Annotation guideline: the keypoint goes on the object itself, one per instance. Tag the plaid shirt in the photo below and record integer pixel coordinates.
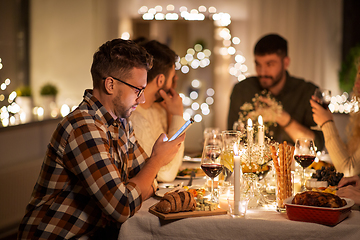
(84, 176)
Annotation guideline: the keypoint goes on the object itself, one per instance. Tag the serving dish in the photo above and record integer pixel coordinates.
(321, 215)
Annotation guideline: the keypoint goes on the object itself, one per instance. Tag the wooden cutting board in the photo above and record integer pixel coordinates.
(180, 215)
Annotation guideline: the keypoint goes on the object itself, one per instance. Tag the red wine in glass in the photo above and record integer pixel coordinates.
(212, 169)
(304, 160)
(325, 104)
(323, 97)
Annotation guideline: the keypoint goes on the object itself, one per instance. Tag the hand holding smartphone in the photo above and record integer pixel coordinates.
(182, 129)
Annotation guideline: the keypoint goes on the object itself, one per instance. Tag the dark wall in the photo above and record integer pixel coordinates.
(14, 42)
(351, 25)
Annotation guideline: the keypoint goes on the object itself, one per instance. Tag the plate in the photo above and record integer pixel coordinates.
(186, 173)
(321, 215)
(161, 192)
(191, 159)
(180, 215)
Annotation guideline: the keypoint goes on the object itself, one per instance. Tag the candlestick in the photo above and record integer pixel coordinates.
(261, 134)
(236, 181)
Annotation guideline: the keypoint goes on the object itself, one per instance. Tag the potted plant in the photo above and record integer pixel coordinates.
(48, 94)
(25, 102)
(347, 74)
(48, 90)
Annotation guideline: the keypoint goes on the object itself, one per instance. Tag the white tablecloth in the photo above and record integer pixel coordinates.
(257, 224)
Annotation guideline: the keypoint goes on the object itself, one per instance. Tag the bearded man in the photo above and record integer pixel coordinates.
(294, 120)
(162, 112)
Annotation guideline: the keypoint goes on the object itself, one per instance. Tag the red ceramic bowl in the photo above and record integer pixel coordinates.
(322, 215)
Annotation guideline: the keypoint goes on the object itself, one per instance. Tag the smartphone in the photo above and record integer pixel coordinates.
(182, 129)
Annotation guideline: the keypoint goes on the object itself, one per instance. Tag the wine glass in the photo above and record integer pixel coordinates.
(323, 97)
(212, 136)
(211, 164)
(304, 154)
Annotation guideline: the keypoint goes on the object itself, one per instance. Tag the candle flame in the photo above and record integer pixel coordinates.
(249, 122)
(260, 120)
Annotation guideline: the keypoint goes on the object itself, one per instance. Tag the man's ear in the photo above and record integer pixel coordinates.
(160, 80)
(109, 85)
(286, 62)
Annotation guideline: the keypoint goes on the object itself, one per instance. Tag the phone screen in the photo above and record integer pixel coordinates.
(182, 129)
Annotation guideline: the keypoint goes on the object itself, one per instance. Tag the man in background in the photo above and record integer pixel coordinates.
(162, 112)
(294, 119)
(95, 175)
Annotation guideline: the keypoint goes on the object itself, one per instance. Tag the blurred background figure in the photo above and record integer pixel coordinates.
(345, 156)
(281, 99)
(162, 111)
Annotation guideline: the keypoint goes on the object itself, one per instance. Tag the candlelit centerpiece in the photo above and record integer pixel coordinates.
(252, 110)
(257, 153)
(251, 158)
(256, 162)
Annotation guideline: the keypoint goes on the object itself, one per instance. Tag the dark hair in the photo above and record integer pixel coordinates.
(270, 44)
(164, 57)
(116, 58)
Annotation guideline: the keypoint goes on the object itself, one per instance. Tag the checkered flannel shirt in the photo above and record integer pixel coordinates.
(84, 177)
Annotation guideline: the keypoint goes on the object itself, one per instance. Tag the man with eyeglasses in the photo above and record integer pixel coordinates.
(95, 174)
(163, 110)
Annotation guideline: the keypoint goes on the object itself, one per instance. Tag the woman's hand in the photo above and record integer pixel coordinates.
(354, 180)
(320, 114)
(349, 192)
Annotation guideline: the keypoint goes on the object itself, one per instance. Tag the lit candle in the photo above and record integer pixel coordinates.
(250, 132)
(261, 135)
(237, 172)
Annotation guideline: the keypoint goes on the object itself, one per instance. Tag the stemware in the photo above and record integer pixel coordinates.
(229, 139)
(211, 164)
(323, 97)
(212, 136)
(304, 154)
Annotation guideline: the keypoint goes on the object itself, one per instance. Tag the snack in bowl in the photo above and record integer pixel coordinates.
(176, 201)
(328, 174)
(318, 199)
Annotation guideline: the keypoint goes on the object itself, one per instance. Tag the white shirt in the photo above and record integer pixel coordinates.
(148, 124)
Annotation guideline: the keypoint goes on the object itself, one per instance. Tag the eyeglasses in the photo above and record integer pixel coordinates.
(140, 90)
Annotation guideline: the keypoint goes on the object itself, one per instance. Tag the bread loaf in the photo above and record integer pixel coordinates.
(178, 201)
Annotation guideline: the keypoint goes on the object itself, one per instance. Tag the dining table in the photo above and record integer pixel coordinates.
(258, 223)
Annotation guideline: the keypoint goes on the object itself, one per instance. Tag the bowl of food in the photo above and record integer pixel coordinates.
(323, 208)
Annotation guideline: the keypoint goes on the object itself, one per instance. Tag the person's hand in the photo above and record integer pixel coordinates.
(172, 102)
(349, 192)
(164, 151)
(320, 114)
(355, 181)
